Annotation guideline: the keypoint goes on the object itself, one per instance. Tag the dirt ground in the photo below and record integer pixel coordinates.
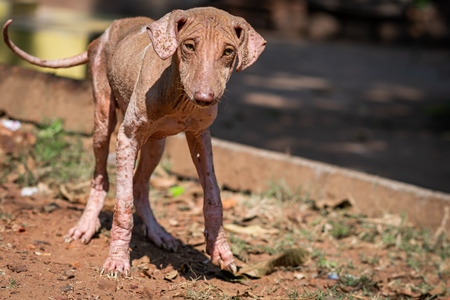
(324, 250)
(37, 264)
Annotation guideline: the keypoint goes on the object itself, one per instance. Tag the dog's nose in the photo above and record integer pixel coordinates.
(204, 98)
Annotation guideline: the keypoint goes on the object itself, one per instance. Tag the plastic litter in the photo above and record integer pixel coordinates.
(28, 191)
(12, 125)
(333, 276)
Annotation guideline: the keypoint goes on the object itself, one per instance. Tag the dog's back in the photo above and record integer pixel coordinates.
(121, 49)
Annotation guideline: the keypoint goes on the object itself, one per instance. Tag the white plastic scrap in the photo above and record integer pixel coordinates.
(12, 125)
(28, 191)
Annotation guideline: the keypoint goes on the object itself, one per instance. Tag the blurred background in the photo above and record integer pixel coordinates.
(362, 84)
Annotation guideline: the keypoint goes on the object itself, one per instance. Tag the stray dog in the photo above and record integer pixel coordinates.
(166, 76)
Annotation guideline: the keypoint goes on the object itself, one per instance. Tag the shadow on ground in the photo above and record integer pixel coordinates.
(191, 263)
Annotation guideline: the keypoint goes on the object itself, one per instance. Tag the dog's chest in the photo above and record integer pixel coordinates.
(173, 124)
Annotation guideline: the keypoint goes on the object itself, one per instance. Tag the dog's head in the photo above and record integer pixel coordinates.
(205, 43)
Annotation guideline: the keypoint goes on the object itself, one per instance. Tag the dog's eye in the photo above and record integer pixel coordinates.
(228, 51)
(189, 47)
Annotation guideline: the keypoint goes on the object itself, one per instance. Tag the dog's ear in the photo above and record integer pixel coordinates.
(164, 33)
(251, 43)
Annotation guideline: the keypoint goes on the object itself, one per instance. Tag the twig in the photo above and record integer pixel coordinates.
(441, 228)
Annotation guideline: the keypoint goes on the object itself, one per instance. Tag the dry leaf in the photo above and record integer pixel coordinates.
(173, 222)
(229, 203)
(299, 275)
(141, 263)
(44, 189)
(251, 214)
(171, 275)
(69, 194)
(253, 230)
(163, 183)
(289, 258)
(332, 203)
(439, 289)
(387, 219)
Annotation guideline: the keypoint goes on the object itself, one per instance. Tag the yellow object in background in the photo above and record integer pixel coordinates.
(49, 33)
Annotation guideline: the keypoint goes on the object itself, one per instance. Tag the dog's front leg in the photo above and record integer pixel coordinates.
(216, 242)
(118, 260)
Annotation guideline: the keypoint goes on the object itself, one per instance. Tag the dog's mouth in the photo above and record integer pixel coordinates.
(203, 103)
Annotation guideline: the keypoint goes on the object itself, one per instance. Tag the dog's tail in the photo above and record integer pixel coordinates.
(76, 60)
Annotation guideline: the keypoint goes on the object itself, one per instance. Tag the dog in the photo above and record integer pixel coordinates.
(166, 76)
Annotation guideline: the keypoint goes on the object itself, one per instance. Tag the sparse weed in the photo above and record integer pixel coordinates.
(307, 234)
(370, 260)
(7, 216)
(12, 283)
(209, 292)
(414, 262)
(289, 241)
(56, 157)
(293, 294)
(340, 230)
(266, 249)
(389, 237)
(18, 163)
(238, 245)
(50, 142)
(328, 293)
(350, 265)
(322, 262)
(359, 283)
(62, 153)
(281, 192)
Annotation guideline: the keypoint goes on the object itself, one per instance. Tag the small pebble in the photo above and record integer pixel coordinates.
(66, 288)
(333, 276)
(50, 207)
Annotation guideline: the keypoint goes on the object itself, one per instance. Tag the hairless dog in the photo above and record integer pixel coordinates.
(166, 76)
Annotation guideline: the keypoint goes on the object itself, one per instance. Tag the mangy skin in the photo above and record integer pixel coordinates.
(166, 77)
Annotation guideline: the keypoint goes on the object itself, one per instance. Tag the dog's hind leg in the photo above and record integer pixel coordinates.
(104, 123)
(150, 156)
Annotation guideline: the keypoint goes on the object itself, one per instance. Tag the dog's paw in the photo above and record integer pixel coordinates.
(160, 237)
(116, 264)
(217, 247)
(84, 230)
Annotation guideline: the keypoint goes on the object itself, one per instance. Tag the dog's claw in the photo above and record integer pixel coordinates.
(217, 247)
(112, 275)
(68, 239)
(230, 268)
